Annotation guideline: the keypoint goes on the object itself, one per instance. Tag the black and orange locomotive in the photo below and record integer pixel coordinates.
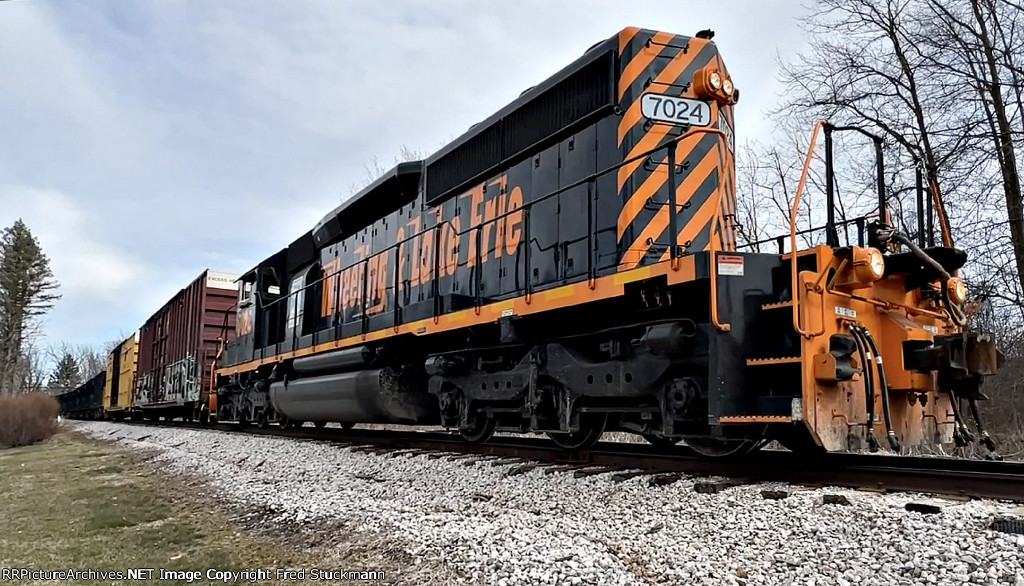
(569, 266)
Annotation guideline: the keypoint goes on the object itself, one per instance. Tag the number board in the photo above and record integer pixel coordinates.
(673, 110)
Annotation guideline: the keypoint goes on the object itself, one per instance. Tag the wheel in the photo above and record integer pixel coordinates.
(480, 431)
(346, 426)
(592, 426)
(263, 421)
(660, 440)
(284, 422)
(319, 424)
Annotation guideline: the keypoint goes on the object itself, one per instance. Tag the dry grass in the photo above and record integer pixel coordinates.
(27, 419)
(78, 503)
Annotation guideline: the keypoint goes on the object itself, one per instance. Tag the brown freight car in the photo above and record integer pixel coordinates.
(179, 343)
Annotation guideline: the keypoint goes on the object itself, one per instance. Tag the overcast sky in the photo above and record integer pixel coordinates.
(143, 142)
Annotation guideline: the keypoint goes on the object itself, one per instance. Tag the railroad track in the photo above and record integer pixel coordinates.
(876, 472)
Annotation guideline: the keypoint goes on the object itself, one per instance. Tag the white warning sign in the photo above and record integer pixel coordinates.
(730, 265)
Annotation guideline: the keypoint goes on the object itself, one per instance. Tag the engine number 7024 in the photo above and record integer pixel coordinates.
(673, 110)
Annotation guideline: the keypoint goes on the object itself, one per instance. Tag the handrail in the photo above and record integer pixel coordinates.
(525, 209)
(858, 220)
(716, 224)
(792, 234)
(588, 179)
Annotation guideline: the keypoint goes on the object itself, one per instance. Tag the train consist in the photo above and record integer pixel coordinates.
(165, 368)
(569, 266)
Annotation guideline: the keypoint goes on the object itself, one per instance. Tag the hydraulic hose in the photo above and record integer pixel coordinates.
(954, 311)
(886, 413)
(961, 435)
(869, 387)
(984, 437)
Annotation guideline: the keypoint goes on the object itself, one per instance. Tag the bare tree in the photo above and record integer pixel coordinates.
(376, 168)
(864, 68)
(973, 42)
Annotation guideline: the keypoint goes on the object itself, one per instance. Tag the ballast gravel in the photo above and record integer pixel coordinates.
(552, 528)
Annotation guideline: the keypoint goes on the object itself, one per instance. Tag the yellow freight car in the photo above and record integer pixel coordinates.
(119, 391)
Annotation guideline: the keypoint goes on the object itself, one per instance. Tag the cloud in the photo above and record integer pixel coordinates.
(145, 142)
(93, 275)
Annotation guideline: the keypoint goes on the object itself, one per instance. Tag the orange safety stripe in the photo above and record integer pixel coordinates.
(629, 119)
(641, 61)
(669, 74)
(653, 184)
(656, 227)
(696, 224)
(625, 36)
(566, 296)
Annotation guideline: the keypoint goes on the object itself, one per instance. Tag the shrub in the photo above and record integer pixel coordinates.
(27, 419)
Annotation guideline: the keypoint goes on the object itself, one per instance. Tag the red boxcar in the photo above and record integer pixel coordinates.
(179, 344)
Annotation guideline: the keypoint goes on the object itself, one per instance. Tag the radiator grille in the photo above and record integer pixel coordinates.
(556, 110)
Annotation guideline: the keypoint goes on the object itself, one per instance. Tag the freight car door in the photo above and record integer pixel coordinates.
(115, 373)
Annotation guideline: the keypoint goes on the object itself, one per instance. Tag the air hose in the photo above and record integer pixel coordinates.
(954, 312)
(894, 443)
(869, 387)
(985, 439)
(961, 435)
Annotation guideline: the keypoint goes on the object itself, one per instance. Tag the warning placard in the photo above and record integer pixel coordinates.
(730, 265)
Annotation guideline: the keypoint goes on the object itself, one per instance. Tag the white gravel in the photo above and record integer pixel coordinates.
(540, 528)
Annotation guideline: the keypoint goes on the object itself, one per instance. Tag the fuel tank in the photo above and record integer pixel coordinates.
(379, 395)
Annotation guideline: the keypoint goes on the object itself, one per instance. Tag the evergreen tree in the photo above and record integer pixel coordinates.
(27, 291)
(67, 375)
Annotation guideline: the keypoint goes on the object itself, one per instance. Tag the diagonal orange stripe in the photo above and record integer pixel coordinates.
(641, 61)
(699, 221)
(625, 36)
(656, 227)
(629, 120)
(659, 177)
(650, 140)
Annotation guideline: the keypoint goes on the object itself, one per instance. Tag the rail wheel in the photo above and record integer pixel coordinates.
(592, 426)
(319, 424)
(346, 425)
(480, 431)
(263, 421)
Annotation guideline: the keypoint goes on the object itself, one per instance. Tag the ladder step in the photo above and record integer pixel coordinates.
(769, 361)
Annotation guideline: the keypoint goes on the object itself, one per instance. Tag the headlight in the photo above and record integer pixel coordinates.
(868, 265)
(715, 80)
(957, 290)
(876, 262)
(727, 87)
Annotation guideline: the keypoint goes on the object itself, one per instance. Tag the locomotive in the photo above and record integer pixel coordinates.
(569, 266)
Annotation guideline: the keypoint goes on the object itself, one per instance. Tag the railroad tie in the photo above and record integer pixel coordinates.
(520, 469)
(716, 486)
(583, 473)
(664, 479)
(627, 474)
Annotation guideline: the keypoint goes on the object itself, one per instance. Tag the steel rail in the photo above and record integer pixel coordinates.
(945, 476)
